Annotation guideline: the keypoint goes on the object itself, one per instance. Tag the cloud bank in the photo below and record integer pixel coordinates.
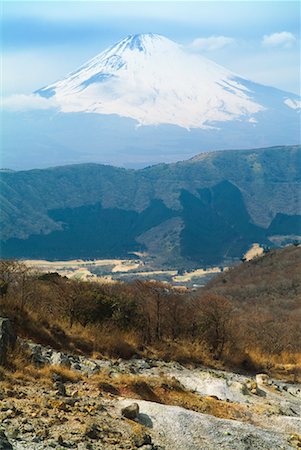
(22, 102)
(284, 39)
(211, 43)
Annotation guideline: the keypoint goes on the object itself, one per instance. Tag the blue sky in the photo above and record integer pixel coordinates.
(43, 41)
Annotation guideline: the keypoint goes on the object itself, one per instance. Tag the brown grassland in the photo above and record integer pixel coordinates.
(247, 318)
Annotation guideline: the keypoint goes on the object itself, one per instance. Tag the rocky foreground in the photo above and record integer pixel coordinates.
(68, 401)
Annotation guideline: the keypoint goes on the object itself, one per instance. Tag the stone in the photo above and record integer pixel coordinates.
(4, 442)
(140, 440)
(133, 369)
(37, 357)
(60, 388)
(244, 389)
(57, 378)
(59, 359)
(92, 431)
(10, 393)
(252, 386)
(74, 394)
(262, 378)
(28, 428)
(8, 338)
(14, 433)
(90, 366)
(131, 411)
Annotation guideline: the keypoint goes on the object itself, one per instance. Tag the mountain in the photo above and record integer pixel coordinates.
(166, 103)
(206, 210)
(153, 80)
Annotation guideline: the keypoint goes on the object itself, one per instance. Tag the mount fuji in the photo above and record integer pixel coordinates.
(147, 100)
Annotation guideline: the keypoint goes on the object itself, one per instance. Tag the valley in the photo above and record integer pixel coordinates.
(204, 212)
(110, 271)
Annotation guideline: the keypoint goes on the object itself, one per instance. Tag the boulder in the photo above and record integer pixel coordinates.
(4, 442)
(131, 411)
(59, 359)
(60, 388)
(8, 338)
(262, 378)
(252, 386)
(92, 431)
(38, 358)
(142, 439)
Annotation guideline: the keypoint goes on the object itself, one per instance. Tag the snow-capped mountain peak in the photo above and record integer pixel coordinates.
(146, 42)
(151, 79)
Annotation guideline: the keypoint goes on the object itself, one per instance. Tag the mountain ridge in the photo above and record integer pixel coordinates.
(263, 183)
(195, 158)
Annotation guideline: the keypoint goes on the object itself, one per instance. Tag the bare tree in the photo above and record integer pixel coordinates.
(215, 320)
(15, 277)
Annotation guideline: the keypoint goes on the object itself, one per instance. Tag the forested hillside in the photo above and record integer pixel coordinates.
(208, 209)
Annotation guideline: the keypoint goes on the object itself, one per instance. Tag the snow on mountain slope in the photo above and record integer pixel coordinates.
(153, 80)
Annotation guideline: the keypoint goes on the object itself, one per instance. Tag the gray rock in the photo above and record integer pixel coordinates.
(262, 378)
(8, 338)
(4, 442)
(28, 428)
(60, 388)
(131, 411)
(293, 391)
(59, 359)
(142, 440)
(38, 358)
(13, 432)
(144, 365)
(92, 431)
(252, 386)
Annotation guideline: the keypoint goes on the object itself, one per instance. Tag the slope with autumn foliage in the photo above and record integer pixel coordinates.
(247, 317)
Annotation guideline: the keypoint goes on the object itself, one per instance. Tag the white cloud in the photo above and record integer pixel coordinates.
(283, 39)
(211, 43)
(293, 103)
(21, 102)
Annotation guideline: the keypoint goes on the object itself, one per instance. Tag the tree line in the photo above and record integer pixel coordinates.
(148, 315)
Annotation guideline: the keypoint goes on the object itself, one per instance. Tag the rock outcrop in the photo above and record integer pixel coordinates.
(230, 411)
(7, 338)
(4, 442)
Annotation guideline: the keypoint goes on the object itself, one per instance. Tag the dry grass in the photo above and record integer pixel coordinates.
(20, 367)
(285, 365)
(168, 391)
(264, 293)
(109, 341)
(67, 375)
(184, 351)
